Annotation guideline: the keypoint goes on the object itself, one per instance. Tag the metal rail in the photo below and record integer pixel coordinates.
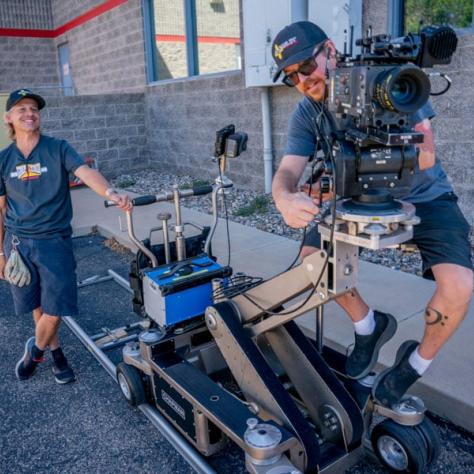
(190, 455)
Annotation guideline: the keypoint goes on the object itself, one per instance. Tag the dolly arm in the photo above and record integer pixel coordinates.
(282, 288)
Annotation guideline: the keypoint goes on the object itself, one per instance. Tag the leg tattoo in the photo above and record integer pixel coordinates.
(433, 316)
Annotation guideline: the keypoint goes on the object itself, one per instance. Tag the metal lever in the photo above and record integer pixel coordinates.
(164, 217)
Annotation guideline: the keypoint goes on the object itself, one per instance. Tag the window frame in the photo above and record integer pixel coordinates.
(191, 44)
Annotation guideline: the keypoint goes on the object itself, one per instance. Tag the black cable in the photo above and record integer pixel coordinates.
(314, 162)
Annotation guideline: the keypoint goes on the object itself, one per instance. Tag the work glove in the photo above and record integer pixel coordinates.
(16, 272)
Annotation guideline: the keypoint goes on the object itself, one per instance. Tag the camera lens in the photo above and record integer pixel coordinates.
(402, 89)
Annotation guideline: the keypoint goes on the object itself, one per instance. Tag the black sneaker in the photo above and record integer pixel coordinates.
(26, 366)
(391, 384)
(366, 349)
(61, 370)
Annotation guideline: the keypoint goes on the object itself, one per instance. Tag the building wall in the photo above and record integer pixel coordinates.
(66, 10)
(109, 128)
(27, 62)
(182, 116)
(28, 14)
(107, 52)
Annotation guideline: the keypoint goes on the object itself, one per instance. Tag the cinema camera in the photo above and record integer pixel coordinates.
(373, 97)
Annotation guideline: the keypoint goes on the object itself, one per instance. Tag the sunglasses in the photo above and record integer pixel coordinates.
(306, 69)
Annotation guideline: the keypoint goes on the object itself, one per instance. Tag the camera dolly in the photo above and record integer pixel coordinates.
(220, 357)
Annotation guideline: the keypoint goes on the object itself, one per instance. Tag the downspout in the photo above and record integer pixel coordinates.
(267, 139)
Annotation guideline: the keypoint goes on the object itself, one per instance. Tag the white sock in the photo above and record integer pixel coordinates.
(419, 363)
(365, 326)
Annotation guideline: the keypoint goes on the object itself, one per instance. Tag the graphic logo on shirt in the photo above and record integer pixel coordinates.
(29, 171)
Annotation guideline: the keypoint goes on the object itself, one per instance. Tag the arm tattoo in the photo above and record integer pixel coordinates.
(433, 316)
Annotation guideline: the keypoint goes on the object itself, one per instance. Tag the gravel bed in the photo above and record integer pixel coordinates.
(256, 210)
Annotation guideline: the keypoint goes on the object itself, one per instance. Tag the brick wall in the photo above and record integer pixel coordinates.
(108, 128)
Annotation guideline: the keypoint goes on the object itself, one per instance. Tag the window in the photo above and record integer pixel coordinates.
(191, 37)
(456, 13)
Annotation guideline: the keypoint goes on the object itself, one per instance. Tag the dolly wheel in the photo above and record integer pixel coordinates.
(131, 384)
(400, 448)
(431, 438)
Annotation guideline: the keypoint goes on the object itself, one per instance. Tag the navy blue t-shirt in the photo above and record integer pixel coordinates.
(303, 132)
(37, 188)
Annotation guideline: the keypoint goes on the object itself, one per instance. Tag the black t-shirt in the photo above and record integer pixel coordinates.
(37, 188)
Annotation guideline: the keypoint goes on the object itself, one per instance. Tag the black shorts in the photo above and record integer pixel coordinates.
(53, 284)
(442, 236)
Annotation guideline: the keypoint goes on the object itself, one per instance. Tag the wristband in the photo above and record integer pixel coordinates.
(110, 191)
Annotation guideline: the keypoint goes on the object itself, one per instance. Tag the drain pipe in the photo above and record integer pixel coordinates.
(267, 139)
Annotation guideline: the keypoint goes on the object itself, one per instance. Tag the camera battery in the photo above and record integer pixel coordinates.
(181, 290)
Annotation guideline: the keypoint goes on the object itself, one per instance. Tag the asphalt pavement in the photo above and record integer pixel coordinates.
(87, 426)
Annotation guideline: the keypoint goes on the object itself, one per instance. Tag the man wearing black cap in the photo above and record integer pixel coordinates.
(303, 54)
(35, 228)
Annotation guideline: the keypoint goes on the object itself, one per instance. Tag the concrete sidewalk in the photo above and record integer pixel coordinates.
(448, 386)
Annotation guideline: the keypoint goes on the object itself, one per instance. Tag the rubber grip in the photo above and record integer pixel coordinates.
(200, 190)
(144, 200)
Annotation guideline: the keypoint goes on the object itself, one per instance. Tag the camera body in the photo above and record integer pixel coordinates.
(374, 96)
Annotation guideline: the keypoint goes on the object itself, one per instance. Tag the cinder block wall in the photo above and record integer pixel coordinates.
(27, 61)
(182, 117)
(107, 52)
(108, 128)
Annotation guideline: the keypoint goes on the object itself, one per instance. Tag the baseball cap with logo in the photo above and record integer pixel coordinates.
(21, 94)
(295, 43)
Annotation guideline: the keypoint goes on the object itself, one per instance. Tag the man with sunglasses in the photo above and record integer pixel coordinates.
(303, 54)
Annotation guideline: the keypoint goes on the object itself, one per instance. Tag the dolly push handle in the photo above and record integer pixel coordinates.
(166, 196)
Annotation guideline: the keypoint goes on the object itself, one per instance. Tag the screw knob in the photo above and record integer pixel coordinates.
(164, 216)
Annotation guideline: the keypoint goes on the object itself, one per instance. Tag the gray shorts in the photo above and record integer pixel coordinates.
(53, 284)
(442, 236)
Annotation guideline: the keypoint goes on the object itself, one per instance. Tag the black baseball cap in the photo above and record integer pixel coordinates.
(21, 94)
(295, 43)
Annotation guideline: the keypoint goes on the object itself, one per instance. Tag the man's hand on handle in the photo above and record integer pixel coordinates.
(298, 209)
(122, 201)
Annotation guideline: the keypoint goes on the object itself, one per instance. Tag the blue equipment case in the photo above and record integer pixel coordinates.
(181, 290)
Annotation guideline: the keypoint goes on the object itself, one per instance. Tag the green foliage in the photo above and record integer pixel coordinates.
(259, 205)
(456, 13)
